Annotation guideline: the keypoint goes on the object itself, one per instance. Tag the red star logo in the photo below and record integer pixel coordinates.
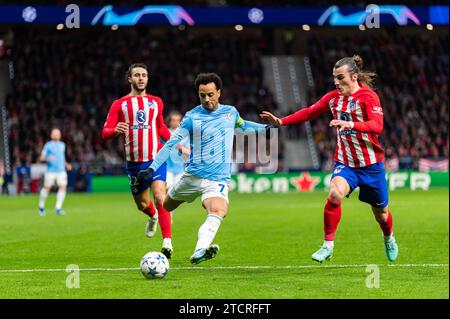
(305, 183)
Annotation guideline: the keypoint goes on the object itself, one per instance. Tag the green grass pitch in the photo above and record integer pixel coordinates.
(266, 245)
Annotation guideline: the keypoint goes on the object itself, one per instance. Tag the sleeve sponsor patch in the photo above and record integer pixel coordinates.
(377, 109)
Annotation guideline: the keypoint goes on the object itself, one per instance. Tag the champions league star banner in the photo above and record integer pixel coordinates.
(73, 16)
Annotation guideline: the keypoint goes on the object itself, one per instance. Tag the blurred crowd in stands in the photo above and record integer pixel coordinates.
(59, 82)
(71, 84)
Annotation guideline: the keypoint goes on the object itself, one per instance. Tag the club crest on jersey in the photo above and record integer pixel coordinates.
(140, 116)
(352, 105)
(151, 105)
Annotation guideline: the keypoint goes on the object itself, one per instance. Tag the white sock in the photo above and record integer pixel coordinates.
(167, 242)
(329, 244)
(207, 231)
(42, 198)
(60, 198)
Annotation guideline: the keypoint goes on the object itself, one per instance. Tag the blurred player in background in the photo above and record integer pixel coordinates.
(177, 158)
(358, 118)
(210, 127)
(53, 154)
(138, 116)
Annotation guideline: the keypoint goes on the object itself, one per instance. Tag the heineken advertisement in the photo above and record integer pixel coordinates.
(310, 181)
(300, 182)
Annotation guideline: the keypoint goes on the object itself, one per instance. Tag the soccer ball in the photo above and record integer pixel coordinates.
(154, 265)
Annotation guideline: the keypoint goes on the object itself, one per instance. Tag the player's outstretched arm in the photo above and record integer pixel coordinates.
(249, 126)
(163, 155)
(270, 119)
(303, 115)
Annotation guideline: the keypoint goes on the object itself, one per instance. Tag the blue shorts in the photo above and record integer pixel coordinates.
(370, 179)
(133, 169)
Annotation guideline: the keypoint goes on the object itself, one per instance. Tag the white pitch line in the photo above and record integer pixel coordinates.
(227, 267)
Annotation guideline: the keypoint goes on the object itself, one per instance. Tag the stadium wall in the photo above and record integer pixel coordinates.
(291, 182)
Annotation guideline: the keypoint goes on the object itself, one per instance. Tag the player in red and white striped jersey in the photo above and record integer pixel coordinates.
(357, 146)
(358, 118)
(143, 118)
(138, 116)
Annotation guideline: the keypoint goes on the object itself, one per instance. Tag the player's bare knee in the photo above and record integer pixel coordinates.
(218, 212)
(142, 205)
(336, 194)
(380, 218)
(381, 214)
(159, 199)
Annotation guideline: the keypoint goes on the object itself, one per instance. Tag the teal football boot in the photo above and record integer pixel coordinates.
(391, 248)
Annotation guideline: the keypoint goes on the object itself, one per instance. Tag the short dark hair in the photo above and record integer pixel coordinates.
(135, 65)
(205, 78)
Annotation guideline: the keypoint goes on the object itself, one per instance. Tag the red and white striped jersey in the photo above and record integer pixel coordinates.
(144, 116)
(358, 147)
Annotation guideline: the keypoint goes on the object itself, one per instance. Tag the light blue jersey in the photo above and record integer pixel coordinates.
(54, 153)
(175, 162)
(211, 140)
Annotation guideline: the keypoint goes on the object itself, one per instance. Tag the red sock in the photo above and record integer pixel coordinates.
(150, 210)
(386, 226)
(165, 221)
(331, 218)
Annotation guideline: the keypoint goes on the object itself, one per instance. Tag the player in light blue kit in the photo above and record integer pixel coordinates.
(210, 128)
(178, 157)
(54, 155)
